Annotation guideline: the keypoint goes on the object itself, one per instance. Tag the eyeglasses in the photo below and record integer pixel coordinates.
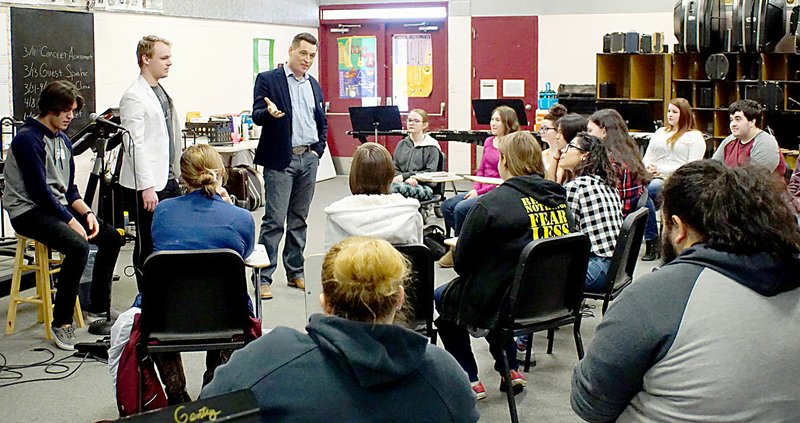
(545, 129)
(571, 146)
(414, 121)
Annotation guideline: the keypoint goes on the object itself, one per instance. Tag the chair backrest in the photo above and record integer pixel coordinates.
(549, 280)
(626, 251)
(194, 293)
(419, 293)
(438, 188)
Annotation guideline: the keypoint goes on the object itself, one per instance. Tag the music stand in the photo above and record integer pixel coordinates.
(375, 118)
(483, 109)
(638, 115)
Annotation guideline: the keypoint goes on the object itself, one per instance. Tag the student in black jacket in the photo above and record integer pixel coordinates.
(524, 208)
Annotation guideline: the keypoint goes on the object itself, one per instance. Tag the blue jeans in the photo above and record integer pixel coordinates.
(653, 204)
(455, 210)
(597, 273)
(456, 341)
(287, 198)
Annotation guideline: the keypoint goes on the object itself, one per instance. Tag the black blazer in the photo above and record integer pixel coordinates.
(275, 145)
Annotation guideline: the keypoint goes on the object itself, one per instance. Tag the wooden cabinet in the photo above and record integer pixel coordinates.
(637, 85)
(710, 99)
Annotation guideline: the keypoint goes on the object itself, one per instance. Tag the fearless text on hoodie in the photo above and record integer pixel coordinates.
(496, 230)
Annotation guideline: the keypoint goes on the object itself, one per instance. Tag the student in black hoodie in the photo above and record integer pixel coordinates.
(494, 234)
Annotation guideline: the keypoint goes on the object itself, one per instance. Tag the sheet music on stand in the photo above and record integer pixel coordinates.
(375, 118)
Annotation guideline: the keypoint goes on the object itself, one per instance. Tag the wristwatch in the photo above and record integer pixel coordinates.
(88, 213)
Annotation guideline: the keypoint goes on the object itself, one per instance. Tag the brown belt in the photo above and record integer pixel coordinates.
(298, 151)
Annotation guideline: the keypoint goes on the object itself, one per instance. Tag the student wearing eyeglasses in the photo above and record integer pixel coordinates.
(416, 153)
(548, 130)
(594, 200)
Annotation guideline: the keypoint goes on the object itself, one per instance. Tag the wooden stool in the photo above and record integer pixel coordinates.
(44, 293)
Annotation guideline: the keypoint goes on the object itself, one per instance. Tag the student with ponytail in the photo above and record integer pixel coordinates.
(202, 219)
(352, 363)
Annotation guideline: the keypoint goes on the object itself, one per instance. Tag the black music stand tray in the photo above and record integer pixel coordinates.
(483, 109)
(375, 118)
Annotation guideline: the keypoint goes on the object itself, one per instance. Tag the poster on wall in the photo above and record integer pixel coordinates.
(357, 66)
(262, 55)
(412, 66)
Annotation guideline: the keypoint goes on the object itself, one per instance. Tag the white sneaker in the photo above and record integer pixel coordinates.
(64, 337)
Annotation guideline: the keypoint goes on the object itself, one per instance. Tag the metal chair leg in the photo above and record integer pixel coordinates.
(550, 338)
(576, 329)
(528, 351)
(512, 403)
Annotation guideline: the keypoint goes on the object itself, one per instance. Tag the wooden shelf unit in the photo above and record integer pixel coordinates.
(638, 78)
(689, 80)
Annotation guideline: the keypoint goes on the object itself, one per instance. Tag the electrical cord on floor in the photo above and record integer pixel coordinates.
(58, 367)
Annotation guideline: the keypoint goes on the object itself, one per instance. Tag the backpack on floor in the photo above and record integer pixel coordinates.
(433, 237)
(246, 184)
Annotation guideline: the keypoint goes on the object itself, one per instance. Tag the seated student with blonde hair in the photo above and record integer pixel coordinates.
(202, 219)
(372, 210)
(497, 229)
(352, 364)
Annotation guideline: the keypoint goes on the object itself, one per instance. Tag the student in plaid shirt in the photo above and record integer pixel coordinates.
(594, 202)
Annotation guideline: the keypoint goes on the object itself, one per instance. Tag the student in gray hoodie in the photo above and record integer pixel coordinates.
(713, 335)
(416, 153)
(353, 365)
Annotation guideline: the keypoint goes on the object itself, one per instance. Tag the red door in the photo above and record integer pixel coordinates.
(435, 102)
(503, 49)
(339, 143)
(343, 145)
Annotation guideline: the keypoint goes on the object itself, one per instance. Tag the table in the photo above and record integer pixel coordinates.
(484, 179)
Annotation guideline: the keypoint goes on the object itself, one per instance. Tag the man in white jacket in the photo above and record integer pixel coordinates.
(150, 163)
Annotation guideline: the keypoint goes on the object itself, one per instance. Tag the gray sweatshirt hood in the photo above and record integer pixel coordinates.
(374, 354)
(761, 272)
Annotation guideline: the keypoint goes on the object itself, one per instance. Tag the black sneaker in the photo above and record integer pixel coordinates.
(102, 314)
(64, 337)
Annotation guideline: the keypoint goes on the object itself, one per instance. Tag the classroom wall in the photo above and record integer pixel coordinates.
(212, 70)
(569, 43)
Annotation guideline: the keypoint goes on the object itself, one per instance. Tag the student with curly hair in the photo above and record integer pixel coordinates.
(594, 202)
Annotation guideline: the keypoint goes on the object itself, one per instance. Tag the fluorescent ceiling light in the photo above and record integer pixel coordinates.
(439, 12)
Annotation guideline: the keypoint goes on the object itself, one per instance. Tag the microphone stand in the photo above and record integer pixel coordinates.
(100, 326)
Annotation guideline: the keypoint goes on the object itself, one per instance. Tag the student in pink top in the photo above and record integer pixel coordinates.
(455, 209)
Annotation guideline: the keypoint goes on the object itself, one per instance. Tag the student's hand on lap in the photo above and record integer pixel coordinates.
(470, 194)
(94, 225)
(398, 179)
(411, 181)
(77, 228)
